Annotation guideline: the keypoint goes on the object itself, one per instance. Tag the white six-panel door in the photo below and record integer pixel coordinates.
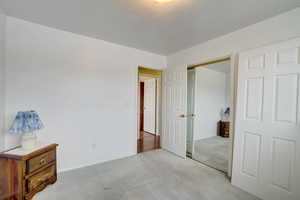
(267, 133)
(150, 105)
(174, 110)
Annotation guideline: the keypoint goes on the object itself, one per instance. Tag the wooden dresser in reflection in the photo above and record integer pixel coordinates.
(224, 128)
(23, 173)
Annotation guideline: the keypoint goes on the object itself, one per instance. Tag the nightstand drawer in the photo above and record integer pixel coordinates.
(40, 161)
(40, 178)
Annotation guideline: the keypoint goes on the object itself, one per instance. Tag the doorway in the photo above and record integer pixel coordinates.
(209, 109)
(149, 107)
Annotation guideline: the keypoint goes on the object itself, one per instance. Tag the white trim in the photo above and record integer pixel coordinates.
(233, 97)
(136, 109)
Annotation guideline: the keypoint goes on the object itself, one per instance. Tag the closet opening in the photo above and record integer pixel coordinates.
(210, 88)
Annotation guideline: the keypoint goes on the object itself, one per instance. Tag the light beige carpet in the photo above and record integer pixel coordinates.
(212, 151)
(154, 175)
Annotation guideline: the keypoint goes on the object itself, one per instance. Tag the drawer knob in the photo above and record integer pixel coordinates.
(43, 161)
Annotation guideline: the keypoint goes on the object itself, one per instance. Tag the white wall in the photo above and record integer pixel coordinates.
(281, 27)
(84, 89)
(210, 96)
(2, 70)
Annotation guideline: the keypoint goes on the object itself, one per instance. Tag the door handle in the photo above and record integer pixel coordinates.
(185, 116)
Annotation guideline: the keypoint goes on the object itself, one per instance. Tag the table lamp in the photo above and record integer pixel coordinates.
(27, 123)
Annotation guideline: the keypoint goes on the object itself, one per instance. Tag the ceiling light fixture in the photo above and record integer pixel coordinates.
(163, 1)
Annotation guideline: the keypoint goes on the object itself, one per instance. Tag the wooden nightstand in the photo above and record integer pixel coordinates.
(224, 128)
(23, 173)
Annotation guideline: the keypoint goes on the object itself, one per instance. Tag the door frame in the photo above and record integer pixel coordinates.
(141, 104)
(233, 57)
(151, 73)
(193, 102)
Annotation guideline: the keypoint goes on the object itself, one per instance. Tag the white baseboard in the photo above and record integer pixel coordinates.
(93, 163)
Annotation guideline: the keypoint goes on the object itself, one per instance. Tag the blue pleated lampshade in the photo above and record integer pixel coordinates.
(26, 122)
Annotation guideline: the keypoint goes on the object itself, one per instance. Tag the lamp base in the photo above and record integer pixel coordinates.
(29, 141)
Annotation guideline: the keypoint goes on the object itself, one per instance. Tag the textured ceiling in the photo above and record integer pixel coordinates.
(143, 24)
